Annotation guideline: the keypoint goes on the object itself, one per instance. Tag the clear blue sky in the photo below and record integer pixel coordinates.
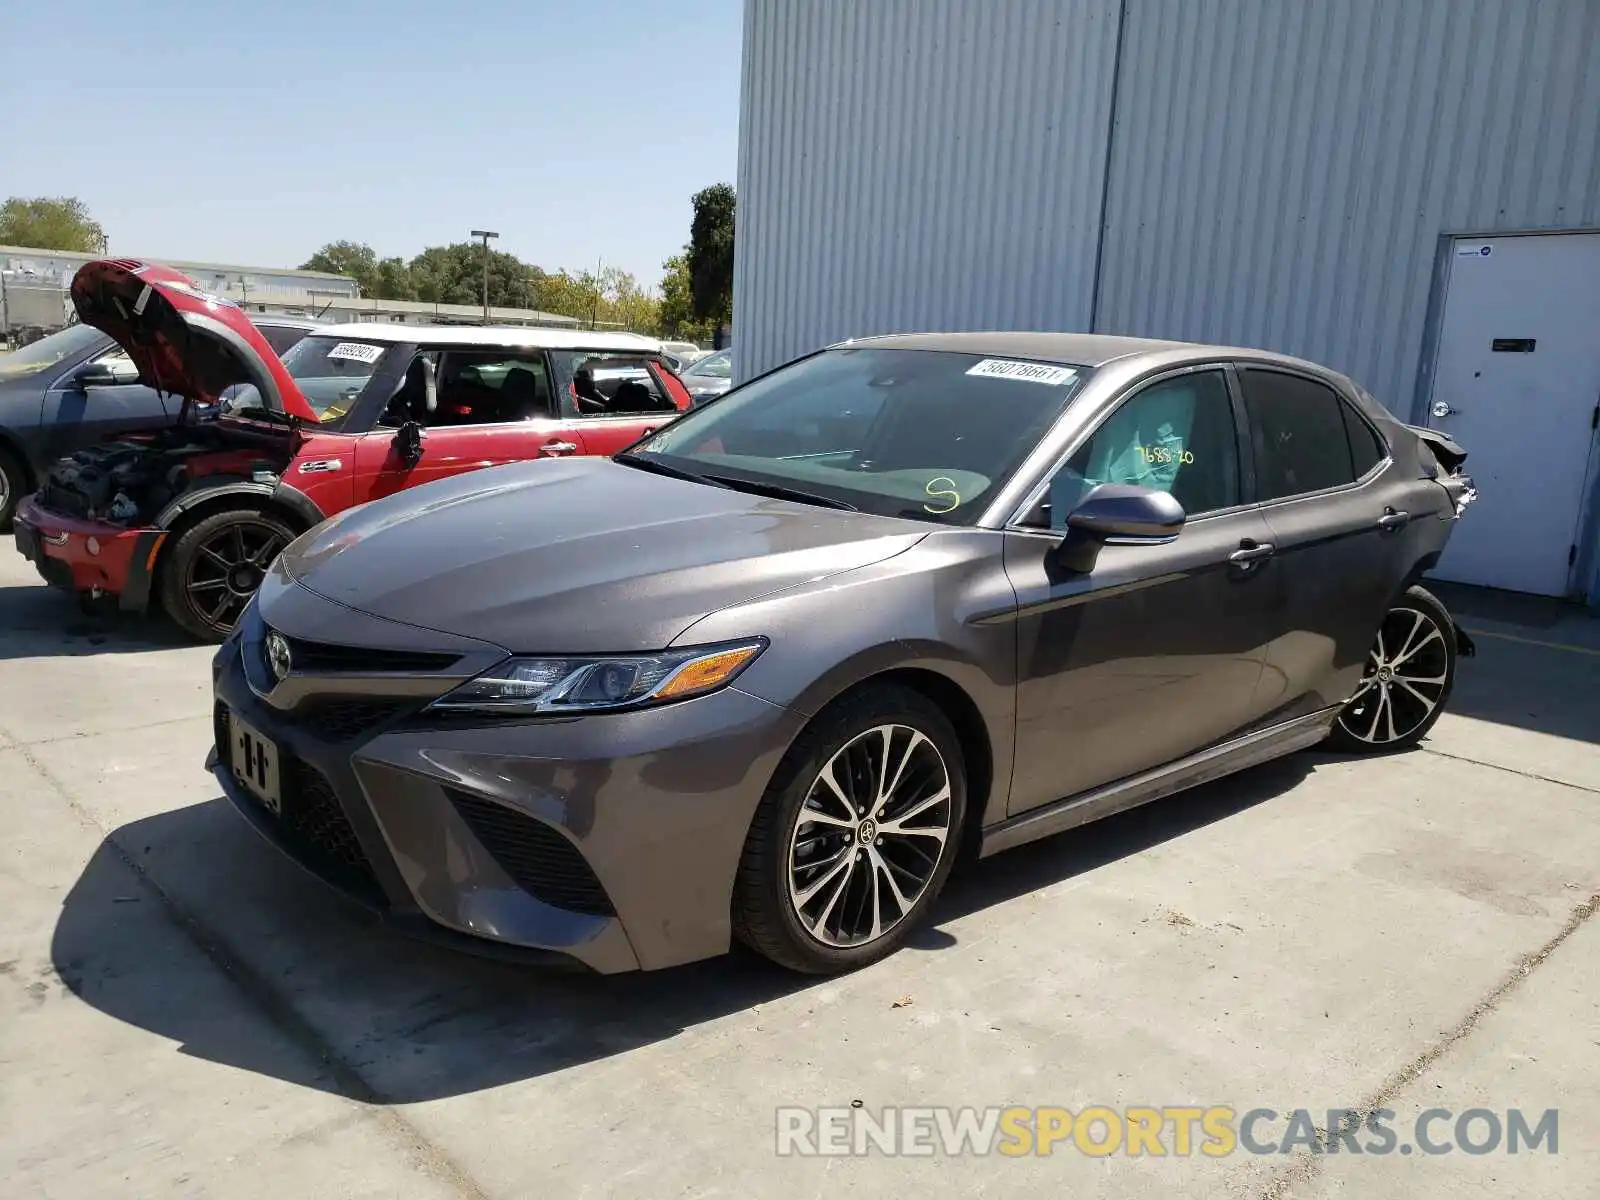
(254, 133)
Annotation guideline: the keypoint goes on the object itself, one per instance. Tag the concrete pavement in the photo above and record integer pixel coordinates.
(183, 1014)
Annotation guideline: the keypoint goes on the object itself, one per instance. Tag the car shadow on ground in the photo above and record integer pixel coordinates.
(381, 1019)
(1538, 672)
(37, 621)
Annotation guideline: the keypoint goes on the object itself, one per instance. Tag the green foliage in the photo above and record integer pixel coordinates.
(50, 223)
(677, 317)
(357, 260)
(710, 255)
(609, 299)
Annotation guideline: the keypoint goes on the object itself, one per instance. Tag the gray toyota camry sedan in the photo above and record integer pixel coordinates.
(764, 675)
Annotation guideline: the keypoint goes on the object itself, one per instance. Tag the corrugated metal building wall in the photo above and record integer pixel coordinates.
(918, 164)
(1280, 173)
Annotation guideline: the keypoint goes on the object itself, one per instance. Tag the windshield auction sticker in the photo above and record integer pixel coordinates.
(364, 352)
(1028, 372)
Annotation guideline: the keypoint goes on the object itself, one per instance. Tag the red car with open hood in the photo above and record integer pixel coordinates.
(263, 449)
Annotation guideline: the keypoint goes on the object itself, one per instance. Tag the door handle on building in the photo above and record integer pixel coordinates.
(1441, 409)
(1392, 520)
(559, 447)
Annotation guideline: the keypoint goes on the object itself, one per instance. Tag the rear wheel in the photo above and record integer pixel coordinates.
(216, 565)
(856, 835)
(13, 486)
(1409, 673)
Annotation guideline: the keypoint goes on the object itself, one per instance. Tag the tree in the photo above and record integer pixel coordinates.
(711, 255)
(357, 260)
(394, 281)
(676, 309)
(453, 274)
(50, 223)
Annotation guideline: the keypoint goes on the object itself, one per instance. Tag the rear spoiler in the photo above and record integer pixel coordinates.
(1446, 449)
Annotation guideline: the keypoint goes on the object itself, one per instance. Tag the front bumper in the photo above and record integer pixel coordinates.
(88, 556)
(611, 839)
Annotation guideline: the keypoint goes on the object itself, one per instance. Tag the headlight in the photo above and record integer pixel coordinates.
(591, 682)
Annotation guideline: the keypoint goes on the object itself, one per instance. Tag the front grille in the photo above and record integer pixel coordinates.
(324, 657)
(542, 862)
(338, 720)
(315, 825)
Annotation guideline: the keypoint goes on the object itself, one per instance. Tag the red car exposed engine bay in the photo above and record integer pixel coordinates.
(191, 516)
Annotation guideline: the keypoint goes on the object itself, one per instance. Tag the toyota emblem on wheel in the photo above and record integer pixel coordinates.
(278, 657)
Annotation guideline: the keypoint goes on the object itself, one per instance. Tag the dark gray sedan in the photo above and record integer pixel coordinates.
(763, 675)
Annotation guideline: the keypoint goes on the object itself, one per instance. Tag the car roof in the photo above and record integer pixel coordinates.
(1075, 349)
(528, 337)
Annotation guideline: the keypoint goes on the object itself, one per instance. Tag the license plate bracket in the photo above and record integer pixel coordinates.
(255, 761)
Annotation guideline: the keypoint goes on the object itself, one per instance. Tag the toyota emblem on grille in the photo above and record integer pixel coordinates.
(278, 657)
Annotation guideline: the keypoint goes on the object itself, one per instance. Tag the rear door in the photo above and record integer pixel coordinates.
(492, 407)
(633, 395)
(1339, 525)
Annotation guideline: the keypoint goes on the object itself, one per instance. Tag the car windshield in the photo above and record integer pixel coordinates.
(331, 374)
(715, 366)
(48, 351)
(928, 435)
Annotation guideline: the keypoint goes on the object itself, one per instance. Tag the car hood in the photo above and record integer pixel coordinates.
(183, 340)
(578, 555)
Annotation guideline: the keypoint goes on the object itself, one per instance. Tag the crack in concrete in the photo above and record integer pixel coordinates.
(422, 1154)
(1307, 1165)
(100, 733)
(1478, 762)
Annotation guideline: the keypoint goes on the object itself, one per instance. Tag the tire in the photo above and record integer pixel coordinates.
(13, 486)
(818, 918)
(194, 571)
(1412, 663)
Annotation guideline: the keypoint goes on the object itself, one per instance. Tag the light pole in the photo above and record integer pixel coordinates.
(485, 235)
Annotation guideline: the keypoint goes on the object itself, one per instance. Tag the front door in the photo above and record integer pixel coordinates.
(1157, 651)
(1517, 383)
(490, 406)
(73, 416)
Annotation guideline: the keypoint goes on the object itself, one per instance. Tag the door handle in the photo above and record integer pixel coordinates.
(1441, 409)
(1392, 520)
(1252, 552)
(559, 447)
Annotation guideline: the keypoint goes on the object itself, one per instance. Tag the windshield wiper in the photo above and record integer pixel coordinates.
(629, 459)
(778, 492)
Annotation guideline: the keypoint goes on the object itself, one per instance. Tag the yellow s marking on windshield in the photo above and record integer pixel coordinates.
(947, 490)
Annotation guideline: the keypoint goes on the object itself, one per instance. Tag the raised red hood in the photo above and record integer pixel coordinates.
(183, 340)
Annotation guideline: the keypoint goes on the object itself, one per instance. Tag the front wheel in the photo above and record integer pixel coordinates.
(855, 836)
(1409, 674)
(216, 565)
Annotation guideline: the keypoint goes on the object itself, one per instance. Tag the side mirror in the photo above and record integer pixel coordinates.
(95, 374)
(1118, 514)
(408, 443)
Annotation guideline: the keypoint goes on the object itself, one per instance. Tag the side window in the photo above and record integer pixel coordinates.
(1298, 427)
(1366, 447)
(615, 385)
(491, 387)
(281, 337)
(121, 365)
(1177, 435)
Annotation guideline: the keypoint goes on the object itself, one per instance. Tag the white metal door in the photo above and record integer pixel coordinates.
(1516, 382)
